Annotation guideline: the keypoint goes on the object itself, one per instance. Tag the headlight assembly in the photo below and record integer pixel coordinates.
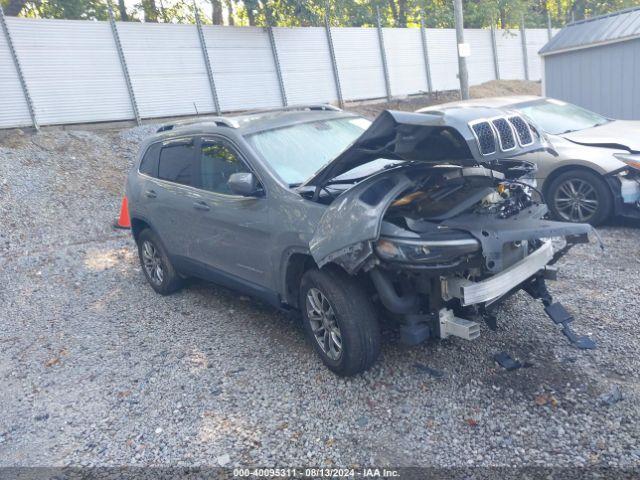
(422, 252)
(633, 160)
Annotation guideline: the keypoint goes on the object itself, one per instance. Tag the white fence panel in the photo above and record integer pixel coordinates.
(359, 62)
(243, 67)
(14, 111)
(405, 59)
(74, 74)
(443, 58)
(305, 62)
(536, 39)
(480, 63)
(167, 69)
(72, 70)
(509, 45)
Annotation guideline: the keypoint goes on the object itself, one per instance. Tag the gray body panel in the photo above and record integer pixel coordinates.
(351, 221)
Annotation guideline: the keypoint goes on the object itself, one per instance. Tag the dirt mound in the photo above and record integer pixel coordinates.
(500, 88)
(494, 88)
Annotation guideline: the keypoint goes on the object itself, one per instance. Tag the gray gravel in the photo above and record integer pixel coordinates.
(96, 369)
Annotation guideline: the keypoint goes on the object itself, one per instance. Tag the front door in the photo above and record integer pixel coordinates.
(233, 235)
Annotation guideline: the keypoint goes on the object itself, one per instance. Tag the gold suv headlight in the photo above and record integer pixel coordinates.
(420, 251)
(631, 159)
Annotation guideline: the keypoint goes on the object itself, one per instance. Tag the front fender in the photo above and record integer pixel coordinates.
(354, 219)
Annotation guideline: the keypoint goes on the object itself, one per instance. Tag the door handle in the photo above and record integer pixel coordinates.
(201, 206)
(150, 194)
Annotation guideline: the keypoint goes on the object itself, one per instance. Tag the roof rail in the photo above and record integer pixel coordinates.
(293, 108)
(219, 121)
(231, 123)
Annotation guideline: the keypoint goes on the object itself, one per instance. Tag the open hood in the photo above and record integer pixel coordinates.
(617, 134)
(459, 136)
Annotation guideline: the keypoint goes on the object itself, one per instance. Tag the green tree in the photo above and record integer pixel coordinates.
(357, 13)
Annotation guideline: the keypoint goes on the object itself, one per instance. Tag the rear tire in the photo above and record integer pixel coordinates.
(156, 265)
(338, 315)
(579, 196)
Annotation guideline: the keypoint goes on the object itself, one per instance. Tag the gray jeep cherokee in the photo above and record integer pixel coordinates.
(425, 219)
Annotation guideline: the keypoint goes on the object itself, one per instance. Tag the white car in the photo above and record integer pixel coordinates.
(596, 172)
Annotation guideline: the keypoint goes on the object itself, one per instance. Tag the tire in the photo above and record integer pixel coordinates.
(149, 245)
(579, 196)
(353, 315)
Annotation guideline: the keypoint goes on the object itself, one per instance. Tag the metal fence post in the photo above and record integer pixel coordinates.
(425, 52)
(276, 60)
(383, 53)
(334, 63)
(16, 63)
(525, 56)
(494, 48)
(207, 62)
(123, 63)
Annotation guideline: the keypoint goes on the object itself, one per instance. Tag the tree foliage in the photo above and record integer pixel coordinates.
(393, 13)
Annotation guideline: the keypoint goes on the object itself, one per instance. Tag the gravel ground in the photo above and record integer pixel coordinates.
(96, 369)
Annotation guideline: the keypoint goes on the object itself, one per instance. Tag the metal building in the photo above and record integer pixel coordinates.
(595, 63)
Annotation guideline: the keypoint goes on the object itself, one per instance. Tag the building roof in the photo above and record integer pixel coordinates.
(614, 27)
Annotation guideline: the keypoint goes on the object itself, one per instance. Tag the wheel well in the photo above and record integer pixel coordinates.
(556, 173)
(297, 265)
(138, 226)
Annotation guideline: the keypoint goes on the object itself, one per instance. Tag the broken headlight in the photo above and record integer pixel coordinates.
(421, 251)
(630, 159)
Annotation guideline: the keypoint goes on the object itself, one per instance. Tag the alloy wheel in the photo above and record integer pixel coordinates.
(576, 200)
(152, 262)
(324, 324)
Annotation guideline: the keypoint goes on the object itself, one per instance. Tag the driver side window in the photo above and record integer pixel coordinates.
(217, 163)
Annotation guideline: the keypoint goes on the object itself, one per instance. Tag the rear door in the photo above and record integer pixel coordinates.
(169, 194)
(233, 231)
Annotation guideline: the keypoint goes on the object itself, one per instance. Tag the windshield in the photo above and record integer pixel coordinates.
(556, 117)
(298, 151)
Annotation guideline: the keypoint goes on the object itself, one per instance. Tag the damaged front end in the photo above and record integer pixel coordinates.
(450, 231)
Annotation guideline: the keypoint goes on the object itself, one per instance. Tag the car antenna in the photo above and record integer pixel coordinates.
(196, 108)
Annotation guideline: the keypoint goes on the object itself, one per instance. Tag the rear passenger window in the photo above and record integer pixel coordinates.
(176, 163)
(149, 163)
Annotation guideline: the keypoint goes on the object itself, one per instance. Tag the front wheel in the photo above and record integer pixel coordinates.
(579, 196)
(340, 320)
(156, 265)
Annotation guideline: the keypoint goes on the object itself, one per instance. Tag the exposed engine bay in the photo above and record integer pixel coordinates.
(442, 242)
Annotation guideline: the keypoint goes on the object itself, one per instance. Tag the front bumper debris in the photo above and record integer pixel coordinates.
(558, 313)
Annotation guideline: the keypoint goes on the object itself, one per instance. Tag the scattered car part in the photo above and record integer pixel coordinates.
(505, 361)
(557, 312)
(450, 325)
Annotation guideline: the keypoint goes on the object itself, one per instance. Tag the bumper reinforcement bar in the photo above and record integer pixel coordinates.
(491, 289)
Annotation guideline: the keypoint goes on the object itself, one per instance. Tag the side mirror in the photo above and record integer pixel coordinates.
(245, 184)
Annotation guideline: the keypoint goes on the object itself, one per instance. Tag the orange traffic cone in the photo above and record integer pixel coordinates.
(123, 221)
